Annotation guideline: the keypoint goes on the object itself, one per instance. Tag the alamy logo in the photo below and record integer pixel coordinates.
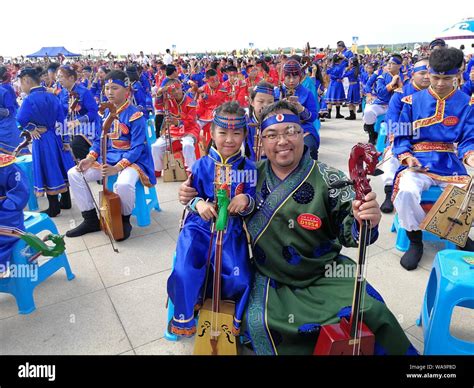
(37, 371)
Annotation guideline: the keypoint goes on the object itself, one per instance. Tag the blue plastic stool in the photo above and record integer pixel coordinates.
(22, 287)
(25, 162)
(451, 284)
(144, 202)
(382, 138)
(150, 130)
(378, 123)
(403, 243)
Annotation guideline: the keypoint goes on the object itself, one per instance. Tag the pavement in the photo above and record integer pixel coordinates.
(116, 303)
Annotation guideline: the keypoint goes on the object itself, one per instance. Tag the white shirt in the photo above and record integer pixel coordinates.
(167, 59)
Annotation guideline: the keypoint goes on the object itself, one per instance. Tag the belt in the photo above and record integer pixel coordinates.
(428, 146)
(353, 83)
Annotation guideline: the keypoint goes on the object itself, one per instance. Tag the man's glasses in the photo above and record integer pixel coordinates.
(291, 133)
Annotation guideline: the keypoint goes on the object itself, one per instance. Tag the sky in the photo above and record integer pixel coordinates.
(210, 25)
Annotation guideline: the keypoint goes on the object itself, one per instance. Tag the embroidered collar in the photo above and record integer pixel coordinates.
(217, 157)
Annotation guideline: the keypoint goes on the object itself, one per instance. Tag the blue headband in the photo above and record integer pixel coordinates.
(230, 122)
(396, 60)
(449, 72)
(124, 84)
(420, 68)
(264, 90)
(280, 118)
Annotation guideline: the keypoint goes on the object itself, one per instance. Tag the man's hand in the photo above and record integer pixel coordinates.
(368, 211)
(108, 170)
(206, 210)
(238, 204)
(66, 147)
(84, 164)
(186, 192)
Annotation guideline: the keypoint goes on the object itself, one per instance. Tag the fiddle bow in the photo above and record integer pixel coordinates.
(352, 336)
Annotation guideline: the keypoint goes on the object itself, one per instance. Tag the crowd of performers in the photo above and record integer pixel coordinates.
(213, 111)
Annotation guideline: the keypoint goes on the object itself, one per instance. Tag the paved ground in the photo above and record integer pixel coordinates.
(116, 304)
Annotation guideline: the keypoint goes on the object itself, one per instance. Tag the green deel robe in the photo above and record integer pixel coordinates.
(291, 290)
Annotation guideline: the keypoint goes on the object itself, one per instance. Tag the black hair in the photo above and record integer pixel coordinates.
(445, 59)
(230, 68)
(69, 70)
(214, 65)
(211, 73)
(104, 69)
(34, 73)
(170, 69)
(4, 76)
(271, 110)
(116, 74)
(355, 65)
(168, 51)
(319, 73)
(132, 73)
(53, 67)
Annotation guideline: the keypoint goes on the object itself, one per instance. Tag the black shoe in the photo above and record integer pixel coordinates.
(360, 109)
(338, 113)
(387, 205)
(352, 115)
(370, 129)
(65, 201)
(328, 116)
(412, 257)
(54, 209)
(90, 224)
(127, 227)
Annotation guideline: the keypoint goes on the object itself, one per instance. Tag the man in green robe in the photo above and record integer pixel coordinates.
(300, 224)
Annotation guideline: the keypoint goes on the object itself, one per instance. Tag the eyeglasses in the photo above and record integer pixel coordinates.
(291, 133)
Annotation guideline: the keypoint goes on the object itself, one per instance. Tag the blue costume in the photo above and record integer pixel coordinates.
(86, 112)
(433, 126)
(353, 93)
(14, 194)
(139, 97)
(41, 110)
(127, 144)
(309, 117)
(335, 93)
(185, 285)
(309, 83)
(9, 133)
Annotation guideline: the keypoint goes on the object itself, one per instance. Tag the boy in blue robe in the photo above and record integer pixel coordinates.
(431, 122)
(128, 155)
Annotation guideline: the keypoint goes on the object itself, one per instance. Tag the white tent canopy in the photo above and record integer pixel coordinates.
(460, 34)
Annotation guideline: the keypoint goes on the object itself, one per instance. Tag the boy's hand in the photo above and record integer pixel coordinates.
(206, 210)
(238, 204)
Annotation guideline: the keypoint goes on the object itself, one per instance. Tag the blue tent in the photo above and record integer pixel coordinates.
(52, 52)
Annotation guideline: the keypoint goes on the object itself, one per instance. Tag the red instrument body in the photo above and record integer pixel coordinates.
(353, 337)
